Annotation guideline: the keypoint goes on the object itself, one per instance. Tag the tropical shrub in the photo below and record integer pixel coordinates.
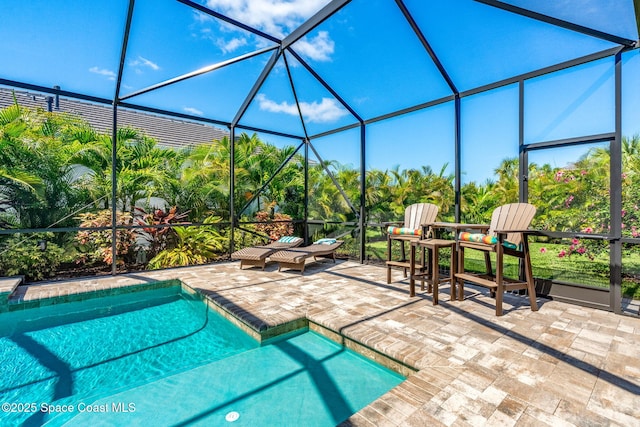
(25, 255)
(194, 245)
(272, 224)
(96, 245)
(158, 238)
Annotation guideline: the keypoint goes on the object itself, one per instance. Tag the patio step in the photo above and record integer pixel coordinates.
(7, 286)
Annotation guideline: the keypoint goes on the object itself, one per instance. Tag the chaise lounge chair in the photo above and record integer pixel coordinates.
(257, 255)
(295, 259)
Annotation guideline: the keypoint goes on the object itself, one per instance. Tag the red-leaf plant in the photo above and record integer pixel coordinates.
(159, 238)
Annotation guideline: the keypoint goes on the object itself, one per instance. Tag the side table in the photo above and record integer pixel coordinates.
(432, 275)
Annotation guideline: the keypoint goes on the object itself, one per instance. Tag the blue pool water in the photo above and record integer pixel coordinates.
(164, 358)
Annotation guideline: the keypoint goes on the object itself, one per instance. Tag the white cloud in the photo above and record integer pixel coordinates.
(193, 111)
(319, 48)
(103, 72)
(274, 107)
(231, 45)
(275, 17)
(202, 17)
(328, 110)
(226, 45)
(144, 62)
(272, 16)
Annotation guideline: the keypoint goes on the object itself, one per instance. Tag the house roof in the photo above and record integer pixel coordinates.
(167, 131)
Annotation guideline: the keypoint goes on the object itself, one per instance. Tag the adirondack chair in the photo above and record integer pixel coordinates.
(505, 237)
(416, 216)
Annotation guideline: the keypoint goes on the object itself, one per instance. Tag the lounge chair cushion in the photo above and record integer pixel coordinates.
(324, 242)
(484, 238)
(404, 230)
(289, 239)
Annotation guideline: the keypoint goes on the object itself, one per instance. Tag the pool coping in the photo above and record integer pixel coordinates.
(7, 286)
(280, 331)
(19, 303)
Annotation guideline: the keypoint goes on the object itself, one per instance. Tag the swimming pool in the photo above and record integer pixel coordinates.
(163, 357)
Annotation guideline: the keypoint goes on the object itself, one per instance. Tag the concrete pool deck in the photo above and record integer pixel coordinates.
(563, 365)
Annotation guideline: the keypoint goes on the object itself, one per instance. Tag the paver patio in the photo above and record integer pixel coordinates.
(562, 365)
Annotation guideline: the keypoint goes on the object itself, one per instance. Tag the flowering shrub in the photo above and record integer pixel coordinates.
(577, 197)
(577, 247)
(589, 248)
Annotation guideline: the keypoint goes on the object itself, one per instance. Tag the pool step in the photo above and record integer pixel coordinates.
(7, 286)
(287, 383)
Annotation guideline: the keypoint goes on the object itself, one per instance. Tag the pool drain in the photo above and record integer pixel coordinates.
(232, 416)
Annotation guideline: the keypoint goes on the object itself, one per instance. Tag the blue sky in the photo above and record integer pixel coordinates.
(366, 52)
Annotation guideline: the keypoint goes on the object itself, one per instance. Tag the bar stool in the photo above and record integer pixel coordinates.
(432, 274)
(417, 218)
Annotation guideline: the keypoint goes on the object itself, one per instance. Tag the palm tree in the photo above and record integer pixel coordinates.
(631, 154)
(203, 184)
(325, 200)
(15, 180)
(377, 195)
(478, 202)
(438, 189)
(507, 185)
(401, 190)
(143, 170)
(37, 180)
